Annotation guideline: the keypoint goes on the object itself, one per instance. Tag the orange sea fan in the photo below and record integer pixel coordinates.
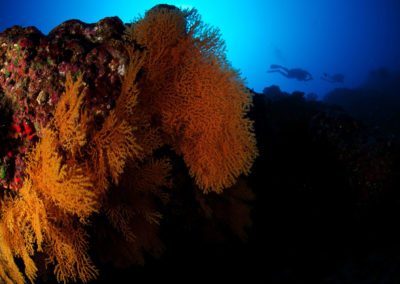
(67, 249)
(72, 134)
(199, 100)
(213, 134)
(131, 209)
(56, 199)
(64, 185)
(123, 251)
(9, 271)
(160, 32)
(23, 227)
(114, 144)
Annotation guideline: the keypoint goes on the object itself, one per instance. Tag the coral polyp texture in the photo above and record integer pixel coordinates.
(96, 118)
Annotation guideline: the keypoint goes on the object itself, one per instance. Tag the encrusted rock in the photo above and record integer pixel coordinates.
(42, 97)
(33, 67)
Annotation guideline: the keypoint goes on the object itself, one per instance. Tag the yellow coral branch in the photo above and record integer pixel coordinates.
(72, 134)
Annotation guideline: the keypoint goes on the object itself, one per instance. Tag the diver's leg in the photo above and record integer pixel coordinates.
(275, 66)
(279, 71)
(285, 69)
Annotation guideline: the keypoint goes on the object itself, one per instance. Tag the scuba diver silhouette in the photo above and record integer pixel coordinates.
(336, 78)
(297, 73)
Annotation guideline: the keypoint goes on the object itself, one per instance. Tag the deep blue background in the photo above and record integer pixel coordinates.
(334, 36)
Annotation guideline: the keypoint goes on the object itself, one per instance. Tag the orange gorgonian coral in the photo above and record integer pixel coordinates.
(198, 99)
(55, 202)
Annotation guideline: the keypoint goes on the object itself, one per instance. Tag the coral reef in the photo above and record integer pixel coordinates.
(98, 112)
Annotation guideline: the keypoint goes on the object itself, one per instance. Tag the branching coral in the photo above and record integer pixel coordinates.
(54, 202)
(178, 91)
(200, 101)
(58, 195)
(131, 209)
(24, 222)
(63, 184)
(72, 136)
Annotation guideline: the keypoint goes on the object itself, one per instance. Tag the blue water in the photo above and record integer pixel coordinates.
(347, 37)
